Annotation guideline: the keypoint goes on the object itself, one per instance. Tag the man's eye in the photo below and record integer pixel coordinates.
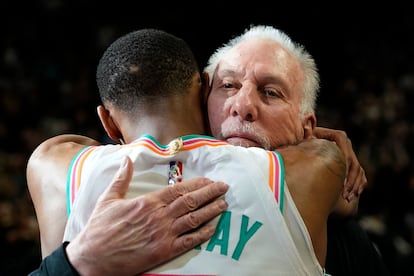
(271, 93)
(228, 85)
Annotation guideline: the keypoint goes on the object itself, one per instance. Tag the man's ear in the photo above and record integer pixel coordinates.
(309, 124)
(108, 123)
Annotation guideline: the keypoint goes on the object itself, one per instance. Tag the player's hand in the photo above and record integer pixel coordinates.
(355, 181)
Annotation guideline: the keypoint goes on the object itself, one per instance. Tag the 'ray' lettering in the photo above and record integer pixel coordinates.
(221, 236)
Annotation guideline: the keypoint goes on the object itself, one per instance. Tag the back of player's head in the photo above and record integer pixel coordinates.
(143, 67)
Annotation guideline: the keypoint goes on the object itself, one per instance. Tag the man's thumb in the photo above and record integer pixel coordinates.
(120, 183)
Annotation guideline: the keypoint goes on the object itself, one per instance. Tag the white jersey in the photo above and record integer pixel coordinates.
(261, 233)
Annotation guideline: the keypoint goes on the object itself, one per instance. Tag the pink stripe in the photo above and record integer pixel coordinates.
(277, 177)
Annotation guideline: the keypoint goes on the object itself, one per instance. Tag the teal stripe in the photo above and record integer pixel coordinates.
(281, 181)
(69, 178)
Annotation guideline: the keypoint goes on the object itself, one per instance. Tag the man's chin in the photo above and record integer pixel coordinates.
(238, 141)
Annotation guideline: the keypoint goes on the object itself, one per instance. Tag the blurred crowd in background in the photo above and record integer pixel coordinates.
(47, 87)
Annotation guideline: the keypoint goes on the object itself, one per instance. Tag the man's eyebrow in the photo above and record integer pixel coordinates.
(226, 72)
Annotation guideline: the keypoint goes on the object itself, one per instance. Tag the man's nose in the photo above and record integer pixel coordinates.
(245, 104)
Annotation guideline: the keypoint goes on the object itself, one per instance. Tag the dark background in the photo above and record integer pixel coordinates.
(49, 51)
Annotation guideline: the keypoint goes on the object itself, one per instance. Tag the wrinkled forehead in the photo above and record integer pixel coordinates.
(261, 57)
(259, 52)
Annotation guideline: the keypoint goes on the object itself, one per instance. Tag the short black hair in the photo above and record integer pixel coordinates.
(143, 66)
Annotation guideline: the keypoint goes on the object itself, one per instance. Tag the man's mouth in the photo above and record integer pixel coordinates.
(242, 140)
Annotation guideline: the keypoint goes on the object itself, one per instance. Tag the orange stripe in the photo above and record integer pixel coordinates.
(80, 167)
(204, 143)
(271, 171)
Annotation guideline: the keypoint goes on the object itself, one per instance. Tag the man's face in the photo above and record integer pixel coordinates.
(256, 95)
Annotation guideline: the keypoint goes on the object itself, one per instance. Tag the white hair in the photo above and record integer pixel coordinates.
(306, 61)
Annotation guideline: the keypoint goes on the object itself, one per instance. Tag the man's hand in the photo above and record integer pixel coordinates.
(355, 181)
(130, 236)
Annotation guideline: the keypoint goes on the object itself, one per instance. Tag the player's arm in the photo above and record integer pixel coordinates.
(46, 174)
(315, 172)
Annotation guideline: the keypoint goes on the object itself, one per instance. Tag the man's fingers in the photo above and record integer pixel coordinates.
(175, 191)
(194, 219)
(192, 200)
(192, 239)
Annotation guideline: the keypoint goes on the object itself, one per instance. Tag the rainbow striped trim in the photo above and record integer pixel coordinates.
(73, 180)
(277, 177)
(189, 142)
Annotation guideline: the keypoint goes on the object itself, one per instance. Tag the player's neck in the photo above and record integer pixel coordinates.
(165, 127)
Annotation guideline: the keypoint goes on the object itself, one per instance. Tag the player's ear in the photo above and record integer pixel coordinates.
(108, 123)
(309, 124)
(205, 88)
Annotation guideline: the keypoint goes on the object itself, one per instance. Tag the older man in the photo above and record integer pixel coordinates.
(263, 93)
